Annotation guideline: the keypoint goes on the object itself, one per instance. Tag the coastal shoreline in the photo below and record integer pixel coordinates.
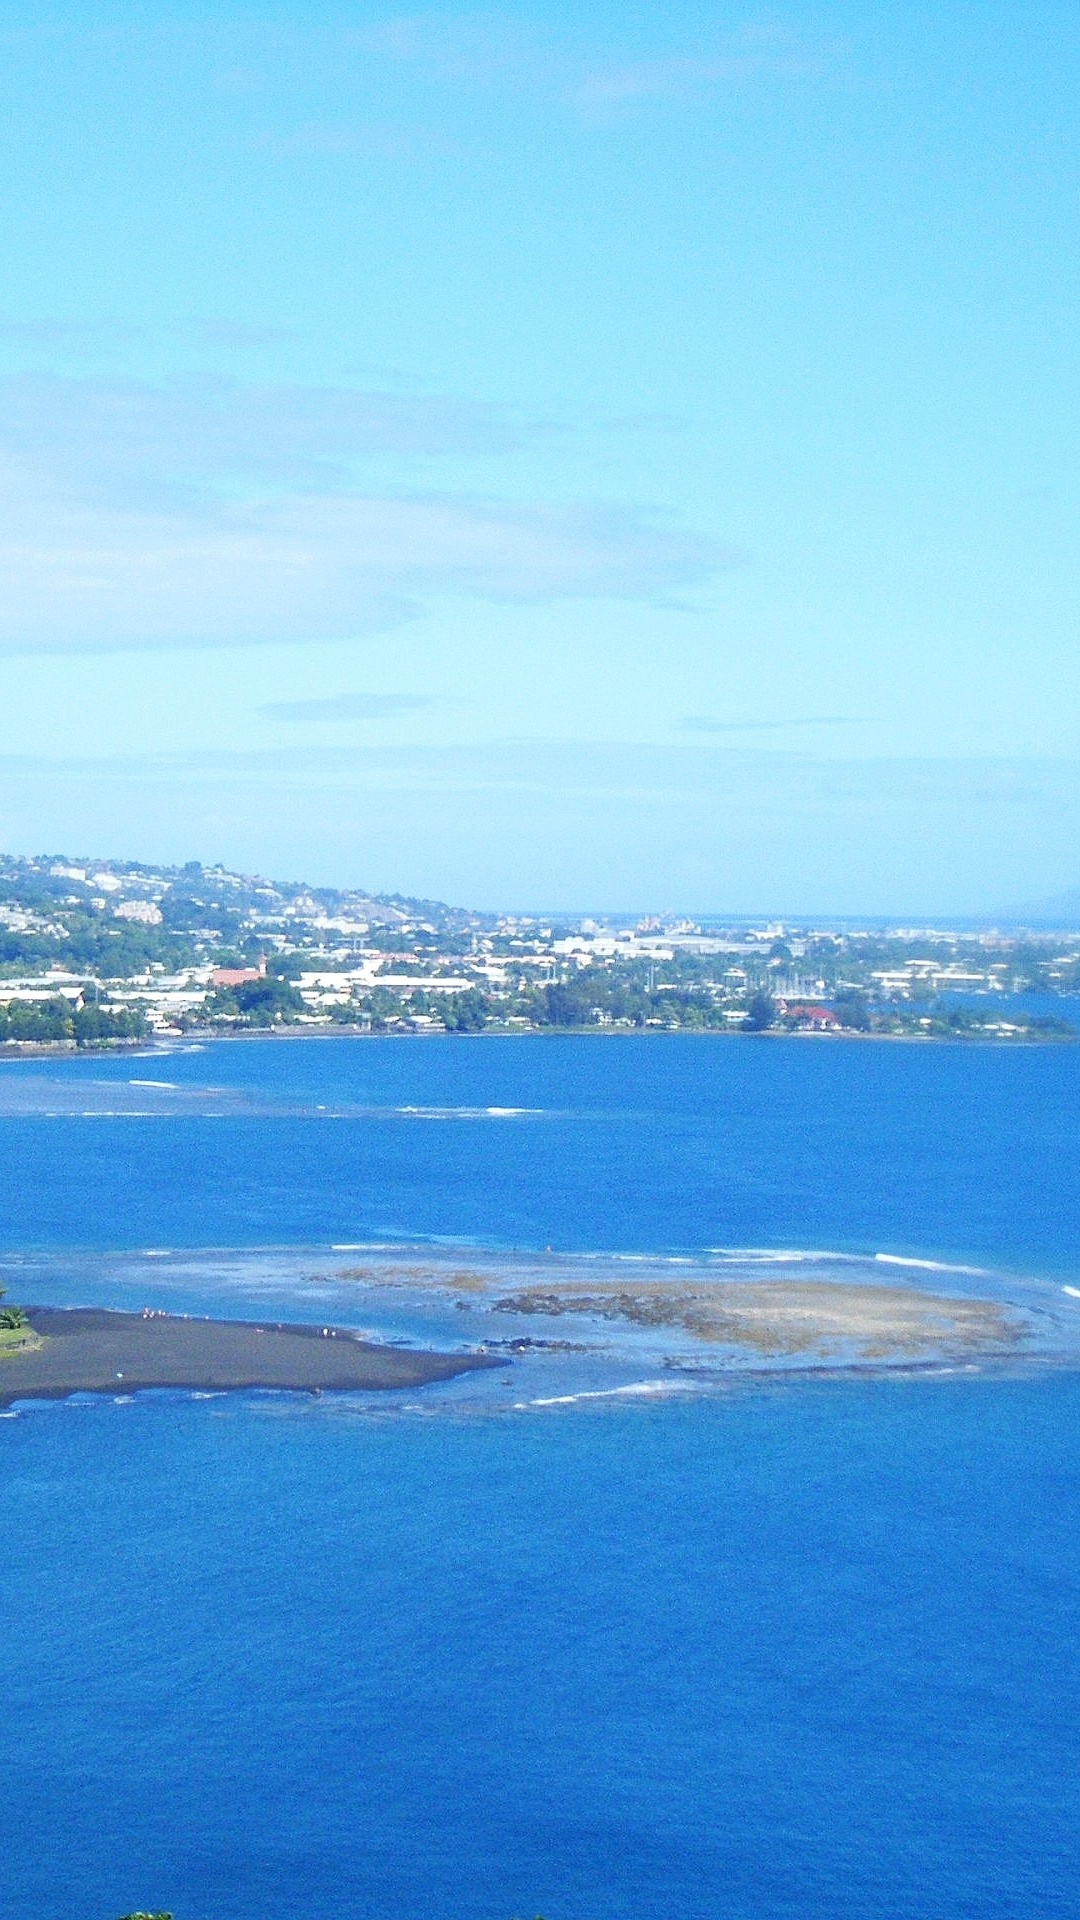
(203, 1036)
(101, 1350)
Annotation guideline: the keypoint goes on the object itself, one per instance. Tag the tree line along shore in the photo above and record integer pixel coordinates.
(99, 954)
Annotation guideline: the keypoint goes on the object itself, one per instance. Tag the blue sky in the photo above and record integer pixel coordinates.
(602, 457)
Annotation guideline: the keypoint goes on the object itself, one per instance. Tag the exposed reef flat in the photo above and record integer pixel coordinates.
(94, 1350)
(778, 1318)
(546, 1328)
(728, 1308)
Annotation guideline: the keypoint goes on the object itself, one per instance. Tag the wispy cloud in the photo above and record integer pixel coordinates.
(236, 334)
(703, 723)
(78, 340)
(149, 444)
(751, 52)
(489, 50)
(307, 568)
(344, 707)
(209, 513)
(362, 140)
(109, 341)
(463, 47)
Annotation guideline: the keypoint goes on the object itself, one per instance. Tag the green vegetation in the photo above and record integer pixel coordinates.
(670, 995)
(467, 1012)
(99, 953)
(257, 1003)
(16, 1333)
(760, 1014)
(853, 1010)
(55, 1020)
(630, 994)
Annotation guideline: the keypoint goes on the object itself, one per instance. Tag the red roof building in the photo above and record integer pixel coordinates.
(809, 1014)
(237, 976)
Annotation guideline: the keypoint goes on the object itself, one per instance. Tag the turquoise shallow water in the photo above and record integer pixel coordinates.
(792, 1648)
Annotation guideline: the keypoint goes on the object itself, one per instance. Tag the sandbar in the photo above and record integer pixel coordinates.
(97, 1350)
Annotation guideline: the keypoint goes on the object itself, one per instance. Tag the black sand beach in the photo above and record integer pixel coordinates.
(92, 1350)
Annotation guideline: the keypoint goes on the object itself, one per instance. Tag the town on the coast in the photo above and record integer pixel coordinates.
(103, 953)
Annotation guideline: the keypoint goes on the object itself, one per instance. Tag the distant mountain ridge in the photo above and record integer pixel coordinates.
(55, 876)
(41, 879)
(1058, 911)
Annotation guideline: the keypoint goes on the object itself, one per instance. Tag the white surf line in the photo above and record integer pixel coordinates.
(930, 1266)
(1073, 1292)
(783, 1256)
(642, 1388)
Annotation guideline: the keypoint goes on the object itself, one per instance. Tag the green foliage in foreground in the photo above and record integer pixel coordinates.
(466, 1012)
(25, 1340)
(16, 1333)
(760, 1014)
(47, 1021)
(258, 1003)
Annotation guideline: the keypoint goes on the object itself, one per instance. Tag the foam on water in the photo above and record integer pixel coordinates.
(931, 1266)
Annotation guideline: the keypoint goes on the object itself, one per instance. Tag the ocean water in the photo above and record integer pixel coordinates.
(793, 1647)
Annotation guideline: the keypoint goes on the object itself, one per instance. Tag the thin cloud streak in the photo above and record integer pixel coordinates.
(108, 340)
(347, 707)
(147, 444)
(752, 53)
(635, 772)
(701, 723)
(349, 142)
(522, 824)
(478, 50)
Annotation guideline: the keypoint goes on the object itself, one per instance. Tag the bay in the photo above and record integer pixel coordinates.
(791, 1649)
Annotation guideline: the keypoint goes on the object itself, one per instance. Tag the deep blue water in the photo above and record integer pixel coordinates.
(637, 1144)
(799, 1649)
